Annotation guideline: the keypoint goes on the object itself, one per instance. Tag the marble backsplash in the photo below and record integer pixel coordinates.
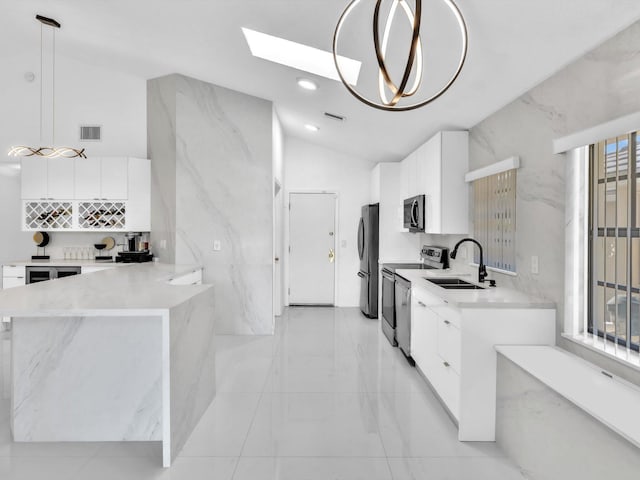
(596, 88)
(211, 153)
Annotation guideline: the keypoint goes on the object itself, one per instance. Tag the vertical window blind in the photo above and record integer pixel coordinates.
(495, 219)
(614, 243)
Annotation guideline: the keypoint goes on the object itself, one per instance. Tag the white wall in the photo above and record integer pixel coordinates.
(309, 167)
(85, 94)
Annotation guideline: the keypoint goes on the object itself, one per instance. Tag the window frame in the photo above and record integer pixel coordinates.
(631, 231)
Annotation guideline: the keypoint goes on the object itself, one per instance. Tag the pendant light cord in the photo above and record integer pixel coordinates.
(53, 93)
(41, 82)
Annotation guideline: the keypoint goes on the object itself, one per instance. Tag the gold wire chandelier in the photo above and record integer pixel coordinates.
(52, 151)
(414, 64)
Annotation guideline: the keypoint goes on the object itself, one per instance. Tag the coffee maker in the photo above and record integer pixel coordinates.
(137, 250)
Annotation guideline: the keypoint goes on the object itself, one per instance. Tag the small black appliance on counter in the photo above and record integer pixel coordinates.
(137, 251)
(134, 257)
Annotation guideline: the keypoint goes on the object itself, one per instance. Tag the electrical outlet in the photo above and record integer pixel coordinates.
(343, 244)
(216, 245)
(534, 264)
(163, 243)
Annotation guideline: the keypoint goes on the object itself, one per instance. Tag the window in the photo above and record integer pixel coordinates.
(614, 241)
(494, 223)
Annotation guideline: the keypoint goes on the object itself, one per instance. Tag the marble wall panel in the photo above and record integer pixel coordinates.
(161, 145)
(87, 379)
(598, 87)
(192, 371)
(223, 184)
(550, 438)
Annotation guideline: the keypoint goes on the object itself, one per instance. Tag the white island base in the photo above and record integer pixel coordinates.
(127, 373)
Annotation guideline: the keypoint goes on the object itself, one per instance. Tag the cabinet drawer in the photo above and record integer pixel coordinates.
(449, 343)
(10, 282)
(446, 311)
(449, 389)
(13, 271)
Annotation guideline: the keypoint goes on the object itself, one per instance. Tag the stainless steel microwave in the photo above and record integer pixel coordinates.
(414, 213)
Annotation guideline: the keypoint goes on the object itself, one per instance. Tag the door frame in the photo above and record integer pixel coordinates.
(287, 237)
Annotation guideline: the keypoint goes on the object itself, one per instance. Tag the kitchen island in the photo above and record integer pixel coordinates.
(125, 354)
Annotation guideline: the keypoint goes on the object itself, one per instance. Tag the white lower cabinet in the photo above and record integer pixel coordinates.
(12, 276)
(454, 350)
(191, 278)
(91, 269)
(435, 347)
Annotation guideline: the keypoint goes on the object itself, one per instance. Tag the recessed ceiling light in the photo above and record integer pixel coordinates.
(311, 128)
(307, 84)
(302, 57)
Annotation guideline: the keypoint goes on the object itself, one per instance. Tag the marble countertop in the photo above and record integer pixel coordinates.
(138, 289)
(489, 297)
(58, 262)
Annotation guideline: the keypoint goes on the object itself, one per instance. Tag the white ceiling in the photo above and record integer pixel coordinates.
(514, 44)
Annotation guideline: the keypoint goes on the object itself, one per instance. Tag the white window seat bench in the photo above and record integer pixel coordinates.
(610, 400)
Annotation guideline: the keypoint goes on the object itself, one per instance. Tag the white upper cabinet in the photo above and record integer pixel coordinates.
(101, 178)
(87, 178)
(47, 178)
(375, 184)
(114, 178)
(437, 169)
(87, 194)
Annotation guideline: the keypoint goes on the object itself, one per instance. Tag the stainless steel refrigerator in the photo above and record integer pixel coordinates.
(368, 251)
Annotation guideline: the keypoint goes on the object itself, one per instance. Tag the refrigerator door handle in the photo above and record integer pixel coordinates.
(361, 238)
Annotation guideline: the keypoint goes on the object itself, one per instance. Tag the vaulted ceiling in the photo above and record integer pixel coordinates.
(513, 45)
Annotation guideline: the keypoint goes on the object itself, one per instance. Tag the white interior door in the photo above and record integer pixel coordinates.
(312, 248)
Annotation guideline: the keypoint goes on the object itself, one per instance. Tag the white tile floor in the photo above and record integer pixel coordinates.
(326, 398)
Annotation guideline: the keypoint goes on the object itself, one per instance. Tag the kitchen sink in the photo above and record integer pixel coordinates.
(462, 287)
(447, 281)
(453, 283)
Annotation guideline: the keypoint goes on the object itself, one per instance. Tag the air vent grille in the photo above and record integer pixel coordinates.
(90, 133)
(334, 116)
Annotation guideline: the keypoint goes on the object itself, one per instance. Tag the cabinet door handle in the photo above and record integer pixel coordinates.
(421, 304)
(446, 364)
(447, 322)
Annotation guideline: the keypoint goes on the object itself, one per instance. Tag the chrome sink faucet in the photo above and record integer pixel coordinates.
(482, 270)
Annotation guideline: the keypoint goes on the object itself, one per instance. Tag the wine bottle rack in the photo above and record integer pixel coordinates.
(102, 215)
(48, 215)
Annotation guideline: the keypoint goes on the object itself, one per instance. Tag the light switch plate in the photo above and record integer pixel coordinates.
(216, 245)
(534, 265)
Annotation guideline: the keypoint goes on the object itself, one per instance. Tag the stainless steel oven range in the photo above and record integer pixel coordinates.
(396, 296)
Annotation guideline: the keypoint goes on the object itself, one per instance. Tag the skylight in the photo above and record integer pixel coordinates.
(302, 57)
